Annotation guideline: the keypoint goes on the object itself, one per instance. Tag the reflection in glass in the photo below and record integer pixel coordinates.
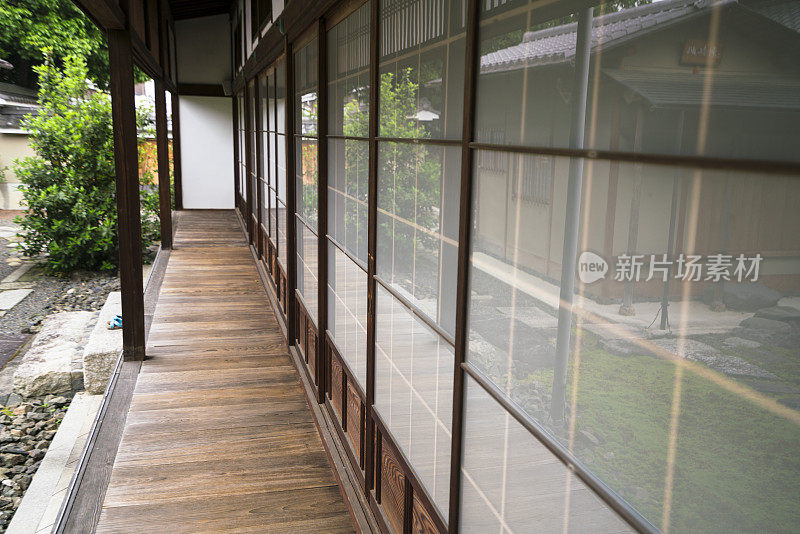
(667, 77)
(421, 92)
(418, 195)
(510, 482)
(307, 267)
(307, 187)
(347, 311)
(677, 421)
(414, 392)
(305, 80)
(348, 75)
(348, 185)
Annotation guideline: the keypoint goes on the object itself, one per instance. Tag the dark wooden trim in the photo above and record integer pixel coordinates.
(248, 160)
(236, 162)
(322, 206)
(126, 161)
(372, 245)
(291, 193)
(341, 10)
(201, 89)
(104, 13)
(176, 152)
(462, 284)
(786, 168)
(162, 144)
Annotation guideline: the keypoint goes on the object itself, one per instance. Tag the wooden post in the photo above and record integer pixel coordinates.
(177, 177)
(129, 224)
(162, 143)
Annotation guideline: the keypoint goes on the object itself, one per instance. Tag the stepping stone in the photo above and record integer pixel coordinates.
(9, 345)
(18, 273)
(8, 231)
(696, 351)
(4, 286)
(9, 299)
(738, 342)
(784, 314)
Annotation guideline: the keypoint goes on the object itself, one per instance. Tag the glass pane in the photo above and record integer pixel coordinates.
(348, 186)
(305, 86)
(307, 187)
(665, 78)
(263, 102)
(271, 101)
(307, 267)
(282, 234)
(348, 72)
(264, 204)
(347, 311)
(280, 95)
(418, 205)
(414, 392)
(421, 92)
(273, 214)
(679, 370)
(280, 146)
(511, 483)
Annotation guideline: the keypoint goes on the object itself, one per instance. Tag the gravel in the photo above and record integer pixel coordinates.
(26, 431)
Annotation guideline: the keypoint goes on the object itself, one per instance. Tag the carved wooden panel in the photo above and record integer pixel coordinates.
(354, 426)
(336, 386)
(421, 521)
(311, 344)
(393, 483)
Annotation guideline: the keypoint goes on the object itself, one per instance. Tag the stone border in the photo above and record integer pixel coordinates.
(42, 500)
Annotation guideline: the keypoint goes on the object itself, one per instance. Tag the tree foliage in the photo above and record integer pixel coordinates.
(29, 27)
(69, 185)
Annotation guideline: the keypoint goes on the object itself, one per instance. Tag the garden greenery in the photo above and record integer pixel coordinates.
(69, 185)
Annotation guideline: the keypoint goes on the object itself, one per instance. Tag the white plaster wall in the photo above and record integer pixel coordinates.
(207, 152)
(12, 146)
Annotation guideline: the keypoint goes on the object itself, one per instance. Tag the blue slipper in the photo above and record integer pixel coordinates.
(115, 323)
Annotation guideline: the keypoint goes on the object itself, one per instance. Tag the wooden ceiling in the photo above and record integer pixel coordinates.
(188, 9)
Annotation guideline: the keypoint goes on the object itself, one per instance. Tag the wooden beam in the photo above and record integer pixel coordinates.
(126, 160)
(105, 14)
(176, 152)
(201, 89)
(162, 143)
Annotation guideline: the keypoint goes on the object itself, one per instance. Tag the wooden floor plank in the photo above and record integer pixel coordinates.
(219, 437)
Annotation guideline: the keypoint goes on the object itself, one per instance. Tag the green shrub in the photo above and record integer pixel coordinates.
(69, 185)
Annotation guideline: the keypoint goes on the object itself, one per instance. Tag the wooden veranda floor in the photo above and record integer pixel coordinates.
(219, 436)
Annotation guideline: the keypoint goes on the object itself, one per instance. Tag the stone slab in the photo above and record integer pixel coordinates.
(47, 366)
(12, 297)
(103, 348)
(18, 273)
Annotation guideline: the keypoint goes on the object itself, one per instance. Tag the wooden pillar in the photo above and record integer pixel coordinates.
(177, 177)
(126, 162)
(162, 143)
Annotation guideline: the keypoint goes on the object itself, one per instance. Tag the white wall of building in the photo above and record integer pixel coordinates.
(207, 152)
